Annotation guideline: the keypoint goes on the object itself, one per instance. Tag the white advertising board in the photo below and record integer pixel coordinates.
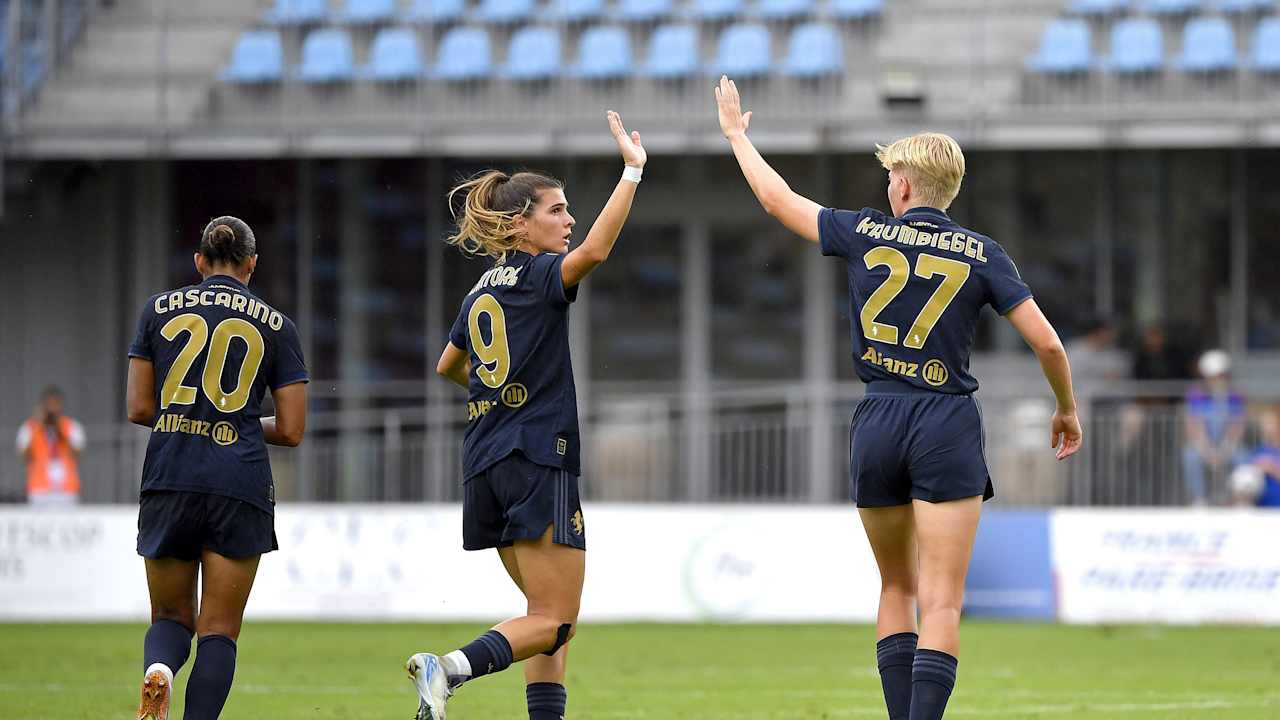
(405, 562)
(1174, 566)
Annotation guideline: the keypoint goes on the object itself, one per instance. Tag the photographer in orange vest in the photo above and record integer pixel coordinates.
(50, 444)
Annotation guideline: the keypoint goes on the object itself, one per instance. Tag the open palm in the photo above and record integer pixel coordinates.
(633, 152)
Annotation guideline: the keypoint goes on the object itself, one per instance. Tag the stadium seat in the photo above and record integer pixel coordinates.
(1245, 6)
(814, 50)
(1137, 46)
(673, 52)
(855, 9)
(1171, 7)
(575, 10)
(367, 12)
(298, 12)
(395, 56)
(464, 55)
(435, 11)
(710, 10)
(534, 54)
(1065, 47)
(1099, 7)
(604, 53)
(1266, 46)
(744, 51)
(258, 58)
(1208, 45)
(505, 11)
(327, 56)
(643, 10)
(783, 9)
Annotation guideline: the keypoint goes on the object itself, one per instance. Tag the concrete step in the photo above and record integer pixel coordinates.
(119, 107)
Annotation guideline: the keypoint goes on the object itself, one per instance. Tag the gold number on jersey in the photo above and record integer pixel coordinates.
(954, 274)
(173, 392)
(495, 356)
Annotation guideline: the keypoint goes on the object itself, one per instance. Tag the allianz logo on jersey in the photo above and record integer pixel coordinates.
(500, 276)
(222, 433)
(933, 372)
(513, 396)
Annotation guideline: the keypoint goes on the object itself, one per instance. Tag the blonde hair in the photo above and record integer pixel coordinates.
(492, 200)
(932, 162)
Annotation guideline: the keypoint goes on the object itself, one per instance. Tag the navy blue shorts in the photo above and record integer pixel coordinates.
(175, 524)
(516, 499)
(907, 443)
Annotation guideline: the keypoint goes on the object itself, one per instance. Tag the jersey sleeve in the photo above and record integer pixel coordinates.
(836, 229)
(458, 333)
(290, 367)
(1005, 288)
(141, 345)
(548, 280)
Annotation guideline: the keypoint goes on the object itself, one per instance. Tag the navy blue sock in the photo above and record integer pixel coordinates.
(895, 656)
(546, 700)
(211, 676)
(932, 679)
(166, 642)
(489, 653)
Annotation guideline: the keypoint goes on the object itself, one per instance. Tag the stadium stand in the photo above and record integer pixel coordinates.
(258, 58)
(784, 9)
(395, 56)
(435, 11)
(534, 54)
(298, 12)
(575, 10)
(644, 10)
(464, 54)
(1245, 6)
(1065, 47)
(327, 57)
(1099, 7)
(505, 12)
(814, 50)
(1171, 7)
(604, 53)
(743, 51)
(367, 12)
(1208, 45)
(855, 10)
(673, 52)
(714, 10)
(1266, 46)
(1137, 47)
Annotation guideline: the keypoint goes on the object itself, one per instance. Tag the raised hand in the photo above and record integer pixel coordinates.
(732, 120)
(633, 152)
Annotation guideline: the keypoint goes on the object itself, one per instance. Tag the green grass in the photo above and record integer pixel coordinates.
(708, 672)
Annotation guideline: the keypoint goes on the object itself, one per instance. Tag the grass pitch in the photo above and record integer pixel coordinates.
(708, 672)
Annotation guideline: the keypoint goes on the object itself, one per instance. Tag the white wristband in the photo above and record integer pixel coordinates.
(632, 174)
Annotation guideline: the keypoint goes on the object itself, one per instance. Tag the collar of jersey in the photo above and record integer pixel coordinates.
(220, 278)
(925, 212)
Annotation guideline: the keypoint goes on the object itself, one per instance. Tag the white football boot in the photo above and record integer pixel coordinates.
(433, 687)
(157, 683)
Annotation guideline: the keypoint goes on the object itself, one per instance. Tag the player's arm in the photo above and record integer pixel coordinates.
(455, 363)
(140, 393)
(579, 263)
(1065, 432)
(797, 212)
(289, 423)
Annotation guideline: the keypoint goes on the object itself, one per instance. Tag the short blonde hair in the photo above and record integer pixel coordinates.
(932, 162)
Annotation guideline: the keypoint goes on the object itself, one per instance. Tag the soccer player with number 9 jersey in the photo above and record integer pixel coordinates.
(918, 471)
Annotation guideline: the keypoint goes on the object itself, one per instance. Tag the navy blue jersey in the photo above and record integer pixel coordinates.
(515, 325)
(216, 349)
(916, 286)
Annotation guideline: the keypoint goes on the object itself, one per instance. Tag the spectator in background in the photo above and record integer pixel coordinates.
(50, 443)
(1215, 423)
(1258, 482)
(1094, 355)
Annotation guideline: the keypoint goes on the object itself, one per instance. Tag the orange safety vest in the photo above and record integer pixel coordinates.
(52, 468)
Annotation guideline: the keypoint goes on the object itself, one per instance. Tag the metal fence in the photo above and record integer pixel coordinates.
(781, 444)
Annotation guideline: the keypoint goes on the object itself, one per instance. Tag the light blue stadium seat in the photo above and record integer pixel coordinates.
(672, 53)
(784, 9)
(534, 54)
(1245, 6)
(257, 58)
(435, 11)
(395, 56)
(1208, 45)
(814, 50)
(298, 12)
(576, 10)
(744, 51)
(709, 10)
(327, 56)
(643, 10)
(1137, 46)
(505, 11)
(1171, 7)
(604, 53)
(1265, 56)
(855, 9)
(1099, 7)
(1065, 47)
(367, 12)
(464, 54)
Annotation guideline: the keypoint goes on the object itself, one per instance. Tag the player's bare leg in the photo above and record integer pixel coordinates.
(225, 590)
(172, 586)
(891, 532)
(539, 668)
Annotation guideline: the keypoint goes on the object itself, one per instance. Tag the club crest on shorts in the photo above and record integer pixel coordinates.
(578, 524)
(935, 373)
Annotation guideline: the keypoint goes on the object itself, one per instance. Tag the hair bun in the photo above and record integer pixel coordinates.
(222, 236)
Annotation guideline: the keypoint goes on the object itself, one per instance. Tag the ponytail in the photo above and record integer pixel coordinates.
(491, 202)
